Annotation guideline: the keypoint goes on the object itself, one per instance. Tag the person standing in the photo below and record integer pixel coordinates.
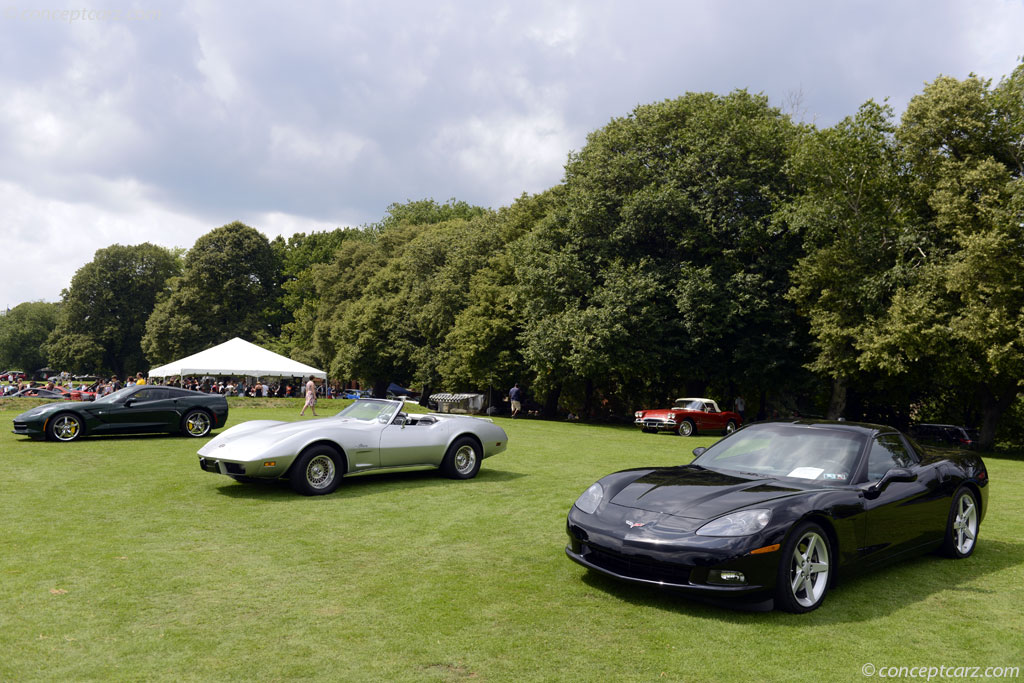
(741, 408)
(310, 397)
(139, 379)
(515, 398)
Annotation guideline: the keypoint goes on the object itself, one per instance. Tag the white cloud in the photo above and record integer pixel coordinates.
(295, 118)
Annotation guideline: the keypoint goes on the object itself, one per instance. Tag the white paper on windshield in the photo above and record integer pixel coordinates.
(806, 472)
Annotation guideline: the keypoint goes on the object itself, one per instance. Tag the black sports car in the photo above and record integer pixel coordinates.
(777, 510)
(134, 409)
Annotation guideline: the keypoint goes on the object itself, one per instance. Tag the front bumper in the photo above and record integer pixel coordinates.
(258, 469)
(33, 429)
(677, 561)
(661, 424)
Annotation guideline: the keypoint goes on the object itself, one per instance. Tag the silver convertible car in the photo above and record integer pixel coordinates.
(368, 435)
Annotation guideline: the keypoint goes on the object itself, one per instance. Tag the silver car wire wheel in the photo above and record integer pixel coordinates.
(198, 424)
(465, 459)
(730, 427)
(809, 569)
(66, 427)
(320, 471)
(965, 524)
(685, 428)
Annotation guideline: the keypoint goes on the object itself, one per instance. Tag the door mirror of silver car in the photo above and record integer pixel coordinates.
(699, 451)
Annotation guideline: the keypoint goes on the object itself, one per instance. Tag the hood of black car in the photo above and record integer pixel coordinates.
(698, 493)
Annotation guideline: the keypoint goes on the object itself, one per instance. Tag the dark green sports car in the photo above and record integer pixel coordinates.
(132, 410)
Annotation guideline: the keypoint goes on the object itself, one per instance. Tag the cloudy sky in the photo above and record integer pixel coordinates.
(133, 122)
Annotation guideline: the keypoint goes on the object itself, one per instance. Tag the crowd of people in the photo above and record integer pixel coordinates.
(254, 388)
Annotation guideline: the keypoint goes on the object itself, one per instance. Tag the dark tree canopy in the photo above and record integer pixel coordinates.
(104, 311)
(228, 288)
(707, 243)
(23, 332)
(665, 266)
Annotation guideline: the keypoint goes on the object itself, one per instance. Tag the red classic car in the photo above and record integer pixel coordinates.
(687, 417)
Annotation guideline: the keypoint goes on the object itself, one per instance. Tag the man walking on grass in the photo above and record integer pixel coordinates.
(515, 398)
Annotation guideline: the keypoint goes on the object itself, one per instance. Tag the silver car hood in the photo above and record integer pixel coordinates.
(257, 439)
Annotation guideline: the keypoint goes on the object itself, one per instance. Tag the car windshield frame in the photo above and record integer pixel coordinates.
(371, 410)
(119, 395)
(689, 404)
(818, 454)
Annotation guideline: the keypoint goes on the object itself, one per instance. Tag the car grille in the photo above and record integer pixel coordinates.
(634, 567)
(20, 428)
(655, 423)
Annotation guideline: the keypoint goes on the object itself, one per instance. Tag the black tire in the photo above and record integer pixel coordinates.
(65, 427)
(462, 461)
(730, 427)
(196, 423)
(686, 428)
(805, 570)
(962, 526)
(317, 471)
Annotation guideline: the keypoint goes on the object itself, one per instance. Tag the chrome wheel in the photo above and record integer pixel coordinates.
(197, 423)
(66, 427)
(465, 459)
(685, 428)
(320, 472)
(462, 459)
(809, 569)
(730, 427)
(965, 524)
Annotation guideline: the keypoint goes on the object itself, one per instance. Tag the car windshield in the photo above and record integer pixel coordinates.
(116, 396)
(689, 404)
(779, 450)
(368, 410)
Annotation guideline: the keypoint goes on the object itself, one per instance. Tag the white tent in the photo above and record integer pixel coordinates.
(237, 358)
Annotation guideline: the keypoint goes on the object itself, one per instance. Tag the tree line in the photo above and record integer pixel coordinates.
(704, 244)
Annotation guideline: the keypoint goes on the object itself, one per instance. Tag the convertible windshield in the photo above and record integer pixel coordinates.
(778, 450)
(370, 411)
(685, 404)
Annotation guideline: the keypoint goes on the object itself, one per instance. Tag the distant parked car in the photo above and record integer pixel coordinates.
(944, 435)
(687, 417)
(355, 393)
(39, 392)
(132, 410)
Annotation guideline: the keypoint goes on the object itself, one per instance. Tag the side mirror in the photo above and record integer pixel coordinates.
(699, 451)
(895, 474)
(128, 402)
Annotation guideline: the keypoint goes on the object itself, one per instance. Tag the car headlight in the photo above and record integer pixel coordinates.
(590, 499)
(741, 523)
(638, 413)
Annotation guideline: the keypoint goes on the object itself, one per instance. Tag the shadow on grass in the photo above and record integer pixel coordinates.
(856, 598)
(365, 484)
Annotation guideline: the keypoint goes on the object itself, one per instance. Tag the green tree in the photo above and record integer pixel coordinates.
(24, 330)
(299, 256)
(853, 213)
(104, 311)
(666, 267)
(228, 288)
(483, 347)
(958, 316)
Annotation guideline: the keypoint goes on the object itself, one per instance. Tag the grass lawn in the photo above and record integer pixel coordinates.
(121, 559)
